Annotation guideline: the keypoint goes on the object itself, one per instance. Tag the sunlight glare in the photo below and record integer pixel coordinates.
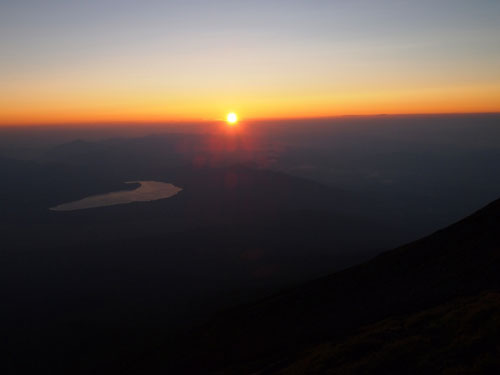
(232, 118)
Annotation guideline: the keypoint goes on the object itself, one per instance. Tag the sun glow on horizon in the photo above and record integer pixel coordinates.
(232, 118)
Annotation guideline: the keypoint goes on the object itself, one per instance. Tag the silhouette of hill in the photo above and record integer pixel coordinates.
(457, 337)
(425, 296)
(210, 196)
(75, 284)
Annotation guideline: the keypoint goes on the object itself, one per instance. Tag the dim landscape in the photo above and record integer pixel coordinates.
(286, 187)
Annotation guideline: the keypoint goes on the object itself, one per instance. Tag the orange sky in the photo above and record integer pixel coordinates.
(92, 108)
(188, 61)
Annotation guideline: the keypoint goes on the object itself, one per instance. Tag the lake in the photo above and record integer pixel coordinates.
(147, 191)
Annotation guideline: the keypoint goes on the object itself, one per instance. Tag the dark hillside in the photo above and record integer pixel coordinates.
(461, 260)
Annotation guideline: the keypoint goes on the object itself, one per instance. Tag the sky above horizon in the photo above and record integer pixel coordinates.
(151, 61)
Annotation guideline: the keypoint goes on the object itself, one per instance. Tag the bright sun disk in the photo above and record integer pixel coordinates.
(232, 118)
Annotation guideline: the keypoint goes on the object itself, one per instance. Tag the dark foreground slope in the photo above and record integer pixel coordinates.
(430, 290)
(458, 337)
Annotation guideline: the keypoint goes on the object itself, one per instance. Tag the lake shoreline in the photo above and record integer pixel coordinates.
(147, 191)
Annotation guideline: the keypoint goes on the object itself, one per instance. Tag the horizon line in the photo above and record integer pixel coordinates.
(249, 120)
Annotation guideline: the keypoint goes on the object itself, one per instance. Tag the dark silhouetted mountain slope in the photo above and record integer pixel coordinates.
(458, 337)
(427, 277)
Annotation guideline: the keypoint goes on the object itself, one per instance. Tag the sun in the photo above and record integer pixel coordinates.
(232, 118)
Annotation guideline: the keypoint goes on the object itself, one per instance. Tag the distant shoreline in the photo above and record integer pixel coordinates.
(147, 191)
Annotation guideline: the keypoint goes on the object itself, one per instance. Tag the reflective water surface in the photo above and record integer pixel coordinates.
(148, 191)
